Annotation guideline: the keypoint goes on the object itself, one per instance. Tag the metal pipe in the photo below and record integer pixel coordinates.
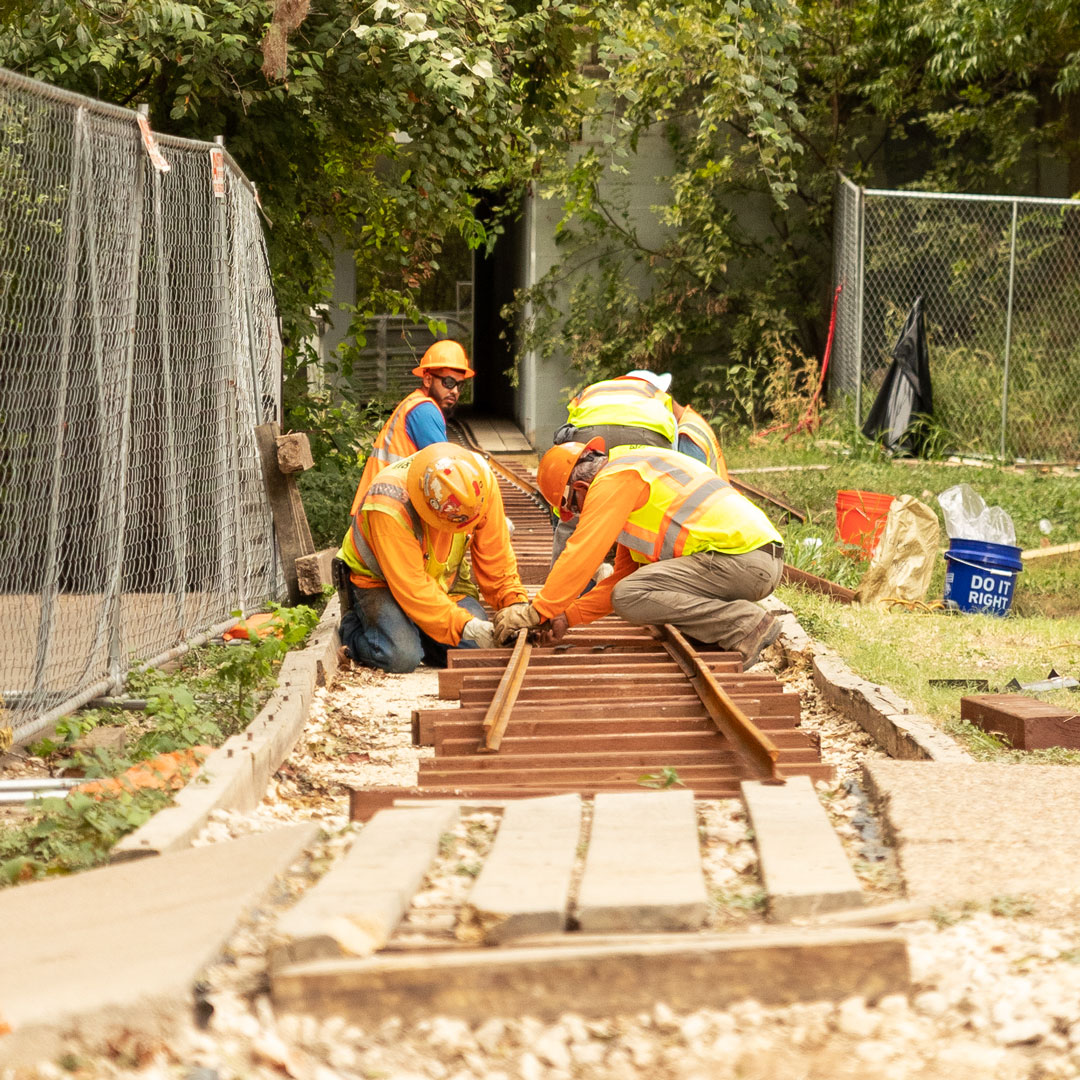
(860, 240)
(1008, 331)
(50, 586)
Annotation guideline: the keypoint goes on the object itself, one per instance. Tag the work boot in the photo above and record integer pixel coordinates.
(765, 633)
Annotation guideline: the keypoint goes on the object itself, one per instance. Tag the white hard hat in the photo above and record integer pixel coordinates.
(661, 382)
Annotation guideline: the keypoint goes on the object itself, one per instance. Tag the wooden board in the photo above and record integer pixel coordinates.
(685, 971)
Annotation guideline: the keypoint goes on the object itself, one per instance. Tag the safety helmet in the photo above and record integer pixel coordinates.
(553, 472)
(661, 382)
(449, 486)
(445, 354)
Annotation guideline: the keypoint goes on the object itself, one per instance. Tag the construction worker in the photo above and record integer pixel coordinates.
(419, 419)
(405, 548)
(697, 439)
(634, 409)
(692, 551)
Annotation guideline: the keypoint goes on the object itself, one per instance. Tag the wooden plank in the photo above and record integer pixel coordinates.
(524, 886)
(643, 865)
(1025, 723)
(1049, 552)
(686, 972)
(290, 522)
(313, 571)
(803, 864)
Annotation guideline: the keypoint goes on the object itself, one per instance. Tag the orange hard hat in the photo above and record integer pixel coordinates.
(445, 354)
(553, 472)
(449, 486)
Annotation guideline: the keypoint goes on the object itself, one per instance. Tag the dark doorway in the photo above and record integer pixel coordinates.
(494, 278)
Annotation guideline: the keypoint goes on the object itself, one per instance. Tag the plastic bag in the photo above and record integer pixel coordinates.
(903, 562)
(967, 517)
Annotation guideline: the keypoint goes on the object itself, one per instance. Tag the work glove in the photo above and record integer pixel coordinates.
(509, 620)
(481, 632)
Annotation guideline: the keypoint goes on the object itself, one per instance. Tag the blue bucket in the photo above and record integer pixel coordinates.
(980, 577)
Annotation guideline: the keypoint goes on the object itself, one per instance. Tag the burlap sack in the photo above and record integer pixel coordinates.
(903, 563)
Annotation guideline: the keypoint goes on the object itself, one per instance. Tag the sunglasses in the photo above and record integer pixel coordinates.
(449, 382)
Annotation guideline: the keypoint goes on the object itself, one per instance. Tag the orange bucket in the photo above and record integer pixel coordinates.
(860, 518)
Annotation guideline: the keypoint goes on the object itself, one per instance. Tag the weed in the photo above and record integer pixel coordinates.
(248, 664)
(447, 844)
(751, 900)
(1012, 907)
(67, 835)
(666, 778)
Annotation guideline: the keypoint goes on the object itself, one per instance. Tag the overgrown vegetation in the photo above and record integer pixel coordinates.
(214, 694)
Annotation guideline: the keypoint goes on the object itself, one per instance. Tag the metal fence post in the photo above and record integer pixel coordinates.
(117, 667)
(176, 531)
(230, 375)
(50, 585)
(1008, 330)
(860, 238)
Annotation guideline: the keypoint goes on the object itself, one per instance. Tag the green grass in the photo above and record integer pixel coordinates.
(904, 650)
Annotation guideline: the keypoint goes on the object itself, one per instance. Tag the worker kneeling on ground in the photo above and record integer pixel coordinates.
(692, 551)
(409, 536)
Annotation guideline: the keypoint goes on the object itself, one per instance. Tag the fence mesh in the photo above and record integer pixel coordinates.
(1000, 281)
(139, 348)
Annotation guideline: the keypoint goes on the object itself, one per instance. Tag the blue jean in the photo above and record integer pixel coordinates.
(377, 633)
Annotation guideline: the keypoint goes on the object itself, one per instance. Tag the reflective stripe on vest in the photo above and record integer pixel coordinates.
(626, 403)
(698, 432)
(690, 509)
(399, 508)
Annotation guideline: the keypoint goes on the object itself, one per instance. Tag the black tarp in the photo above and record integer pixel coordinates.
(905, 394)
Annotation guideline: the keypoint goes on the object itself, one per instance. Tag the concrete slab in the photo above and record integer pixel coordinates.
(496, 435)
(353, 909)
(686, 972)
(803, 864)
(524, 887)
(969, 833)
(643, 864)
(123, 945)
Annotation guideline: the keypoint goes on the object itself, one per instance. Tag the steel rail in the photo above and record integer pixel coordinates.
(502, 704)
(752, 744)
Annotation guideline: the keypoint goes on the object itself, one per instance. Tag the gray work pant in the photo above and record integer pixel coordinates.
(708, 595)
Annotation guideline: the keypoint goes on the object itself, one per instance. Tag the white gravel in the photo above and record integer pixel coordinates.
(995, 996)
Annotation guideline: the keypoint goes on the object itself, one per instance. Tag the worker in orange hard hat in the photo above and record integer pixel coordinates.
(409, 598)
(419, 419)
(691, 550)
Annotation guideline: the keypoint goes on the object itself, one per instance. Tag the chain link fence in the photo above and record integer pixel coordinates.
(139, 348)
(1000, 281)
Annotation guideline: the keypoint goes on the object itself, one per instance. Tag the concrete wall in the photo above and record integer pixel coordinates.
(547, 384)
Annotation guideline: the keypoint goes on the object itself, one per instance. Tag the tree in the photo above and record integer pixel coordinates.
(377, 122)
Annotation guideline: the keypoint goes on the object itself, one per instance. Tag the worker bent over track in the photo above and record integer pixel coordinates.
(692, 551)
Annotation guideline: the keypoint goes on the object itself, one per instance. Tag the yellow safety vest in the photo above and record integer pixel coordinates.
(699, 431)
(690, 509)
(391, 444)
(624, 402)
(388, 495)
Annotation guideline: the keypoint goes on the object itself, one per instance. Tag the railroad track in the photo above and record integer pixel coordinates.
(613, 707)
(591, 877)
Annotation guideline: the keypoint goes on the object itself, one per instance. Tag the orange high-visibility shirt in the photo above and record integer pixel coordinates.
(401, 559)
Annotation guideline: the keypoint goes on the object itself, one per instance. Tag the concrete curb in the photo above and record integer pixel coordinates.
(235, 776)
(887, 717)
